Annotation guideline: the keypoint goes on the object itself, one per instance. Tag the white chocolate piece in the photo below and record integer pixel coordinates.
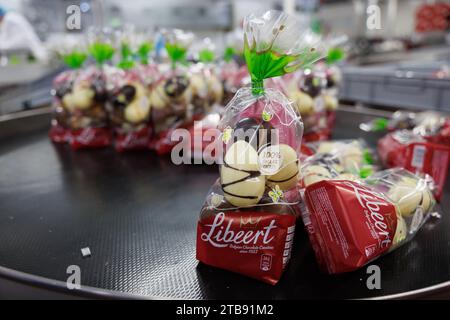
(400, 232)
(338, 168)
(315, 173)
(241, 163)
(331, 102)
(408, 198)
(287, 177)
(326, 147)
(199, 85)
(304, 103)
(80, 98)
(346, 176)
(139, 109)
(215, 89)
(158, 98)
(351, 157)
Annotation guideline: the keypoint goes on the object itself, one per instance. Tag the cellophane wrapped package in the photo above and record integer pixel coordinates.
(128, 103)
(233, 74)
(74, 58)
(338, 159)
(247, 222)
(305, 89)
(87, 100)
(351, 223)
(171, 94)
(88, 117)
(207, 89)
(129, 110)
(412, 151)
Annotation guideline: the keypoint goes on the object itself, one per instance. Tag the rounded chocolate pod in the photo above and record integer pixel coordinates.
(311, 85)
(303, 102)
(326, 147)
(81, 98)
(347, 176)
(173, 90)
(287, 177)
(331, 102)
(408, 197)
(315, 173)
(242, 183)
(257, 133)
(401, 231)
(351, 157)
(138, 108)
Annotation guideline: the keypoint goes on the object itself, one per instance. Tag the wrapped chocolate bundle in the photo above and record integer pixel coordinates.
(89, 118)
(430, 125)
(233, 77)
(305, 90)
(207, 89)
(171, 94)
(247, 222)
(351, 223)
(233, 73)
(340, 159)
(128, 103)
(410, 150)
(129, 110)
(62, 86)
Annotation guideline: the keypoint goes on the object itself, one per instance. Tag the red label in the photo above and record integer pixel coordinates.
(416, 157)
(134, 140)
(348, 224)
(90, 138)
(59, 134)
(432, 159)
(254, 244)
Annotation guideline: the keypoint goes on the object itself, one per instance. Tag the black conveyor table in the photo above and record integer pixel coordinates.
(137, 213)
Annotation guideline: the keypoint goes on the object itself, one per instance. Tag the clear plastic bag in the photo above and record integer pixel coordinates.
(129, 110)
(171, 94)
(306, 90)
(206, 84)
(60, 123)
(74, 57)
(248, 219)
(370, 217)
(88, 115)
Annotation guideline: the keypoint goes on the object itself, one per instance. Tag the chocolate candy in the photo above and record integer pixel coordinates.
(351, 157)
(242, 183)
(175, 90)
(331, 102)
(287, 177)
(257, 133)
(81, 98)
(401, 231)
(311, 85)
(347, 176)
(176, 86)
(304, 103)
(315, 173)
(408, 196)
(138, 108)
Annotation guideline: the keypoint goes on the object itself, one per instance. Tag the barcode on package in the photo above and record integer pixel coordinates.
(418, 157)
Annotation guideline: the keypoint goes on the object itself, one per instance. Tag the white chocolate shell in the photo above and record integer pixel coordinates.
(240, 178)
(287, 177)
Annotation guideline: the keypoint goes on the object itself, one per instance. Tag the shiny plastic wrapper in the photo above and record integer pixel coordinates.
(351, 223)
